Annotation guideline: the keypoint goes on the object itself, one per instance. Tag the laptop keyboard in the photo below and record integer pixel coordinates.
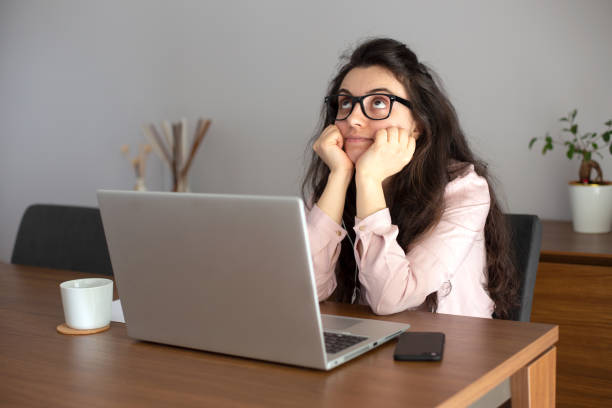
(335, 342)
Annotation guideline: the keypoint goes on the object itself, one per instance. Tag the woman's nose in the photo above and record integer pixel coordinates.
(357, 117)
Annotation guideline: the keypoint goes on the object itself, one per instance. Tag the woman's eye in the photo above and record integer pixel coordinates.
(379, 103)
(345, 104)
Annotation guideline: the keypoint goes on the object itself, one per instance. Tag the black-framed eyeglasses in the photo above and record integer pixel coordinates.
(375, 106)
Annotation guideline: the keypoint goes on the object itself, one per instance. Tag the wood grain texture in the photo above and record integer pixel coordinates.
(560, 244)
(578, 299)
(542, 380)
(534, 385)
(43, 368)
(519, 388)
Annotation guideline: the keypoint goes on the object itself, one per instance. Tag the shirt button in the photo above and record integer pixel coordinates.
(339, 233)
(445, 289)
(362, 228)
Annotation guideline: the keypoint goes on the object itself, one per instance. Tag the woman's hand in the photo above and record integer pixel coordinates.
(329, 148)
(391, 151)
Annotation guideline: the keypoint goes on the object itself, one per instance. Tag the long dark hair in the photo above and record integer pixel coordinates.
(415, 194)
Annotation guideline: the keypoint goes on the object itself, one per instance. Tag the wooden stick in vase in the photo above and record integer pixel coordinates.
(198, 128)
(167, 129)
(136, 165)
(197, 140)
(176, 136)
(140, 160)
(144, 152)
(184, 143)
(156, 142)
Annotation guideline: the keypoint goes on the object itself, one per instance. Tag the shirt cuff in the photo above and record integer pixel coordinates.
(325, 226)
(378, 223)
(381, 218)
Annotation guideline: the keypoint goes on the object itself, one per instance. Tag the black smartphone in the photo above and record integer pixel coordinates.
(419, 346)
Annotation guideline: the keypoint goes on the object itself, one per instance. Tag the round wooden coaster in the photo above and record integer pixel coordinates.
(64, 329)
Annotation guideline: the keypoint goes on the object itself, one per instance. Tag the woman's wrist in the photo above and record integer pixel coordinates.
(370, 196)
(340, 177)
(332, 199)
(365, 179)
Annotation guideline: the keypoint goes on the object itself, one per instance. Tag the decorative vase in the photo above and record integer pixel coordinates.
(591, 207)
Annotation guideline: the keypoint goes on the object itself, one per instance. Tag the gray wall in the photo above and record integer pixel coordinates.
(78, 78)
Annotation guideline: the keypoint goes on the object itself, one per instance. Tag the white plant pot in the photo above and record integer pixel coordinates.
(591, 207)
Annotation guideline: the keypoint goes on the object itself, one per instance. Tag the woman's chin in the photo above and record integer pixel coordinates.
(355, 154)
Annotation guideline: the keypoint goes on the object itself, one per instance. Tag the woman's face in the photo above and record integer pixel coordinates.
(358, 130)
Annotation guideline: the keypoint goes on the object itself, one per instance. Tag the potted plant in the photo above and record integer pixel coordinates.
(590, 198)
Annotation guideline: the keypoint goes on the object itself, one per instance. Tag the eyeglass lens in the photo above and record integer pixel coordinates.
(376, 106)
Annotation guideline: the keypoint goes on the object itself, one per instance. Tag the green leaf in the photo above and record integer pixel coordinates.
(570, 152)
(606, 136)
(593, 135)
(548, 146)
(548, 139)
(574, 129)
(584, 136)
(575, 111)
(587, 156)
(608, 123)
(532, 142)
(595, 147)
(563, 120)
(544, 149)
(611, 148)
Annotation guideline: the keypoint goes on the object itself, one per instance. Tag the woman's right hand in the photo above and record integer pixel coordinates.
(329, 148)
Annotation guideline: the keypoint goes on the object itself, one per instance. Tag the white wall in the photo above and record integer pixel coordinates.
(78, 78)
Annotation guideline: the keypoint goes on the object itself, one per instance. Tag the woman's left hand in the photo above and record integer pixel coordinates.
(391, 151)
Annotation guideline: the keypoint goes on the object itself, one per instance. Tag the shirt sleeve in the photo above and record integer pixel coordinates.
(325, 236)
(395, 280)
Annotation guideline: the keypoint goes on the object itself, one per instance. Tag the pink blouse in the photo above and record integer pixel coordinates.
(449, 258)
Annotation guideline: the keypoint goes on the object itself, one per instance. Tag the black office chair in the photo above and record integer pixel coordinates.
(526, 238)
(62, 237)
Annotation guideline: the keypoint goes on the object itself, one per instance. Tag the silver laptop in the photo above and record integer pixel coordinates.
(229, 274)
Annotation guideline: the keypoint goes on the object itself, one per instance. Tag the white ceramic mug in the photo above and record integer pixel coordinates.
(87, 302)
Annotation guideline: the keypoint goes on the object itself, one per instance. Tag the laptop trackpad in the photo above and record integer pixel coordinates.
(331, 322)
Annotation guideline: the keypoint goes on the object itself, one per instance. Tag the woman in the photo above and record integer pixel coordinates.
(392, 169)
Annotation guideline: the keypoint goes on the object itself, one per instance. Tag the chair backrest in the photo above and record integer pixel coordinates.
(526, 238)
(62, 237)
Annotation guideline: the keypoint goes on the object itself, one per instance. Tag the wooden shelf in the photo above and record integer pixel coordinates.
(561, 244)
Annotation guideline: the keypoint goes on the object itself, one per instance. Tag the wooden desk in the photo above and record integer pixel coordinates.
(574, 290)
(40, 367)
